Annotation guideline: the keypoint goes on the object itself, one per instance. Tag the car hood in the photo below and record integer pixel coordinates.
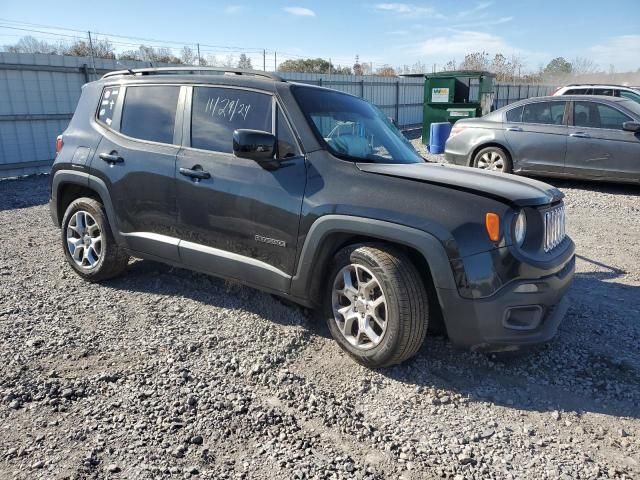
(519, 191)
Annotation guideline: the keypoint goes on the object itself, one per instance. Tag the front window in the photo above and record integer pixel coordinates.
(217, 112)
(597, 115)
(353, 129)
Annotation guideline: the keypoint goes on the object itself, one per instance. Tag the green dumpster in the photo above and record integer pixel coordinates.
(450, 96)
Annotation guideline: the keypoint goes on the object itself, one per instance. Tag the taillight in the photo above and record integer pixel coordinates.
(59, 144)
(456, 130)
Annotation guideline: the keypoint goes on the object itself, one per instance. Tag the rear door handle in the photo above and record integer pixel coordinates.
(579, 135)
(112, 157)
(197, 174)
(514, 129)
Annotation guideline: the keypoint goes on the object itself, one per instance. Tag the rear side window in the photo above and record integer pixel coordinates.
(577, 91)
(149, 112)
(217, 112)
(515, 115)
(598, 115)
(603, 91)
(547, 113)
(107, 105)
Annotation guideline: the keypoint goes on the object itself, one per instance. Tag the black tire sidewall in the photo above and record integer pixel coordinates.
(95, 209)
(381, 353)
(508, 166)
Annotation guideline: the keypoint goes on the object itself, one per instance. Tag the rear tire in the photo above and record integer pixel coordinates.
(376, 305)
(88, 242)
(493, 159)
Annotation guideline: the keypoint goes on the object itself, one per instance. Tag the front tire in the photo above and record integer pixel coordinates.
(88, 242)
(493, 159)
(376, 305)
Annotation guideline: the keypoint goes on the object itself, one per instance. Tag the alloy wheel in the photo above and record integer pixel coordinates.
(359, 306)
(84, 239)
(491, 160)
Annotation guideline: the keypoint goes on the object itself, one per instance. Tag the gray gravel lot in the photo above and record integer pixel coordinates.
(168, 373)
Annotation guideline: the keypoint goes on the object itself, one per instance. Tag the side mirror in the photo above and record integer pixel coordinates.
(255, 145)
(631, 126)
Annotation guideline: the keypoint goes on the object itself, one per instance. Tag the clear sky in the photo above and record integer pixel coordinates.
(381, 32)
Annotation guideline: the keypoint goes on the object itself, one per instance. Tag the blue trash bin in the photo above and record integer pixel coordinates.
(439, 134)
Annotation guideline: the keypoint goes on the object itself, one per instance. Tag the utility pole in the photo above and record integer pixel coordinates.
(93, 61)
(329, 66)
(264, 60)
(198, 45)
(275, 61)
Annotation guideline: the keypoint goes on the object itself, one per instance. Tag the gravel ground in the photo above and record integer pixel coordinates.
(168, 373)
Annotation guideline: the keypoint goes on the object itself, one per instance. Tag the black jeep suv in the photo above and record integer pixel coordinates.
(313, 195)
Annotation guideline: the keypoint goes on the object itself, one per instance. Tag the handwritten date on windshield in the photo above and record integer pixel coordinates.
(227, 108)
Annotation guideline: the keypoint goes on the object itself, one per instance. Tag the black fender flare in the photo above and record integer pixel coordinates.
(425, 243)
(83, 179)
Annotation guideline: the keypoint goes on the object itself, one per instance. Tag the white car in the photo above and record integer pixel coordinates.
(599, 89)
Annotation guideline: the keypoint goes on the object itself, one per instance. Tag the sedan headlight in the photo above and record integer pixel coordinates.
(520, 230)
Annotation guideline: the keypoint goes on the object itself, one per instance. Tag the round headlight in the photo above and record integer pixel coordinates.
(520, 230)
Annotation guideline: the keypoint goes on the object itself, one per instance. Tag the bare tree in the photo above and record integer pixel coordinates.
(187, 56)
(583, 66)
(82, 48)
(386, 71)
(475, 61)
(244, 62)
(30, 44)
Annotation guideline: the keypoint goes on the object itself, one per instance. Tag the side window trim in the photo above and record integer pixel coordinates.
(117, 112)
(289, 126)
(188, 115)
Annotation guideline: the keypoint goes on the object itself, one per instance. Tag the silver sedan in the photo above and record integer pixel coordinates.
(589, 137)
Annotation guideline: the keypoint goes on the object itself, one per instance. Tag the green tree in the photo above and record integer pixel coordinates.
(558, 66)
(306, 65)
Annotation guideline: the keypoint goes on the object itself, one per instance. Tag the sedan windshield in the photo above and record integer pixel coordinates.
(353, 129)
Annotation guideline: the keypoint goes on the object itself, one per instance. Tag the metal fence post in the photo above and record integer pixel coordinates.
(85, 72)
(398, 102)
(361, 88)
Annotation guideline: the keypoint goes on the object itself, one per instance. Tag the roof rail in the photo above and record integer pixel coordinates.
(595, 85)
(192, 70)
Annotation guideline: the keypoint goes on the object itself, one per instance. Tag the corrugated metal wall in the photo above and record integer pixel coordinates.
(506, 93)
(38, 95)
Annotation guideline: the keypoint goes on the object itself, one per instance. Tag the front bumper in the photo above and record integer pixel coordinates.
(512, 317)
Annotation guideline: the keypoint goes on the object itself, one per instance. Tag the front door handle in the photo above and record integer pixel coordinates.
(194, 173)
(514, 129)
(112, 157)
(579, 135)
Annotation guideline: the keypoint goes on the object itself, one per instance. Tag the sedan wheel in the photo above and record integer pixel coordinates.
(493, 159)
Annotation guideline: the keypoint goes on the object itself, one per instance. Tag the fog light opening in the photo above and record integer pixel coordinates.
(527, 317)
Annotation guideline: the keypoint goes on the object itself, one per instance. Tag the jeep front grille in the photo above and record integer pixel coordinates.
(554, 228)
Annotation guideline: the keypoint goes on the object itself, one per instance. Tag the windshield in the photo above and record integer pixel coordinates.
(354, 129)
